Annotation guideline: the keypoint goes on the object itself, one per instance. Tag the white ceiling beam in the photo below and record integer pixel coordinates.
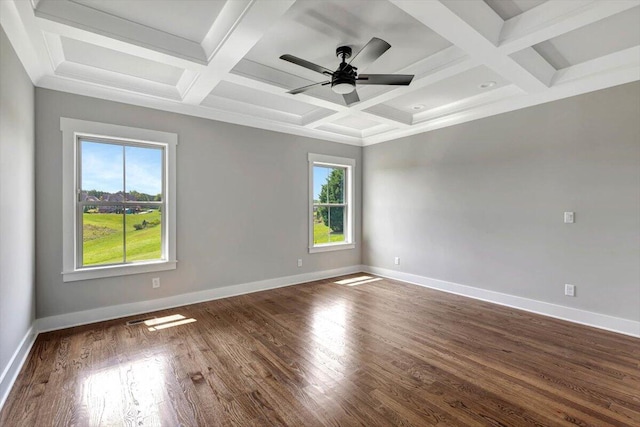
(554, 18)
(479, 16)
(452, 21)
(225, 23)
(247, 31)
(531, 60)
(186, 80)
(628, 59)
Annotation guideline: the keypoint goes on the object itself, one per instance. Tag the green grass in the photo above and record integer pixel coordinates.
(103, 238)
(323, 234)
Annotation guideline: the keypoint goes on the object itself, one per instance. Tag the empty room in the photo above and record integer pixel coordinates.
(319, 213)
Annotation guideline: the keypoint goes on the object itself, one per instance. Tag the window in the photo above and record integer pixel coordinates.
(119, 200)
(331, 203)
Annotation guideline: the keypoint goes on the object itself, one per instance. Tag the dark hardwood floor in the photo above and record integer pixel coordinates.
(379, 353)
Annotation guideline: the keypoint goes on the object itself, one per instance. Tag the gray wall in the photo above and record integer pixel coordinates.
(17, 202)
(481, 203)
(241, 198)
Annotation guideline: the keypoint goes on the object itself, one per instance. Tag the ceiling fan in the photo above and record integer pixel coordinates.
(344, 80)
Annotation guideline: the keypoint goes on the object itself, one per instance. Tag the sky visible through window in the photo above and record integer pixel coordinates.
(102, 167)
(320, 176)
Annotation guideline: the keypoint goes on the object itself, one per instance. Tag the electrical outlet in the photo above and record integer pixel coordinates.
(299, 262)
(569, 290)
(396, 260)
(155, 282)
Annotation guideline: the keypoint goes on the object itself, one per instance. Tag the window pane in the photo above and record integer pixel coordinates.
(328, 224)
(143, 173)
(102, 175)
(328, 184)
(102, 235)
(144, 234)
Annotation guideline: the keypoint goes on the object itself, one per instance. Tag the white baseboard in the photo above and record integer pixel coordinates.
(12, 369)
(596, 320)
(78, 318)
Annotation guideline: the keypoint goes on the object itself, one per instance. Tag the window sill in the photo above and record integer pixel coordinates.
(118, 270)
(332, 247)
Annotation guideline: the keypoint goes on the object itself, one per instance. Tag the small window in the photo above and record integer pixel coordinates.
(331, 207)
(122, 218)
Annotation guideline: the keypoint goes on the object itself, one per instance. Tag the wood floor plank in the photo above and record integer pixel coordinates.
(380, 353)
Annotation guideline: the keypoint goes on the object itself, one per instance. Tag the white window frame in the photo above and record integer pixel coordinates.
(349, 165)
(72, 131)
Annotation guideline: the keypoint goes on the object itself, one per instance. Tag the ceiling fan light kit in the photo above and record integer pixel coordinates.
(343, 87)
(345, 78)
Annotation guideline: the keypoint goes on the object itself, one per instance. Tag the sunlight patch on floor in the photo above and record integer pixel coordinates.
(360, 280)
(131, 390)
(167, 322)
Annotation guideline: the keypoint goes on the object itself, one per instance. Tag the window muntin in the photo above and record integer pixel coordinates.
(331, 207)
(120, 202)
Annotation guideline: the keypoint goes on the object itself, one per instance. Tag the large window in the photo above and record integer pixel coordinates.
(331, 203)
(119, 200)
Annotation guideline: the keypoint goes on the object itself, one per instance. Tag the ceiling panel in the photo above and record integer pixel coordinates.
(189, 19)
(119, 62)
(609, 35)
(256, 97)
(355, 122)
(450, 90)
(508, 9)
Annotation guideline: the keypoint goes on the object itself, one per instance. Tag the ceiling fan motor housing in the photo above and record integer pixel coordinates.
(344, 79)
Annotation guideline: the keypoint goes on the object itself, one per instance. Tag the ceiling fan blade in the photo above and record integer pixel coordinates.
(369, 53)
(305, 88)
(384, 79)
(351, 97)
(306, 64)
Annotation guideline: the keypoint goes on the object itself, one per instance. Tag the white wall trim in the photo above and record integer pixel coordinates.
(14, 366)
(78, 318)
(583, 317)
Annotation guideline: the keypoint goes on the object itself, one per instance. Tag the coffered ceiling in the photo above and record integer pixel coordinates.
(220, 59)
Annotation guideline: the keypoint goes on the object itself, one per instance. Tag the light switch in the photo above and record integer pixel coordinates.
(568, 217)
(569, 290)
